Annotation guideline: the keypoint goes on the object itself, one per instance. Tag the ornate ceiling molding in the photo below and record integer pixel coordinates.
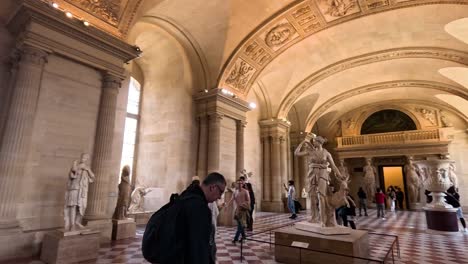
(293, 24)
(413, 52)
(112, 16)
(455, 90)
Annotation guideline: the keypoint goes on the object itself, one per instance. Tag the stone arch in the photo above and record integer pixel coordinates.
(406, 122)
(384, 55)
(456, 90)
(302, 19)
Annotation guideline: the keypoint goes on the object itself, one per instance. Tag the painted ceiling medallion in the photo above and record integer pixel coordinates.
(108, 10)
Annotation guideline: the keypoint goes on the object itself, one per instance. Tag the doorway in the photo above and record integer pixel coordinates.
(393, 176)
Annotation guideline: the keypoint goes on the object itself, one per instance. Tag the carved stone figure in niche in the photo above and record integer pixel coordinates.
(279, 35)
(338, 8)
(413, 180)
(138, 200)
(76, 197)
(339, 129)
(107, 9)
(429, 115)
(350, 123)
(125, 189)
(239, 76)
(369, 179)
(444, 120)
(318, 179)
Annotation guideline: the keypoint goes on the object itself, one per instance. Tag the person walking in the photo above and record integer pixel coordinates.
(362, 201)
(400, 196)
(241, 214)
(380, 201)
(453, 198)
(291, 196)
(350, 212)
(391, 196)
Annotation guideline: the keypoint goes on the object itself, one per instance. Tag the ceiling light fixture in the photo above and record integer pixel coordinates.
(55, 5)
(69, 15)
(86, 23)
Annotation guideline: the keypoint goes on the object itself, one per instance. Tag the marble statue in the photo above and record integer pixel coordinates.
(123, 200)
(369, 180)
(318, 180)
(76, 196)
(343, 169)
(452, 176)
(413, 180)
(138, 200)
(444, 119)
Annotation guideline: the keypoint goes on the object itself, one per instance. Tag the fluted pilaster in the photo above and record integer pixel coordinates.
(266, 169)
(276, 177)
(214, 124)
(18, 130)
(202, 146)
(240, 126)
(102, 155)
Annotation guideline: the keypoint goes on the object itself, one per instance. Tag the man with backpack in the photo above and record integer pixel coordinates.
(180, 231)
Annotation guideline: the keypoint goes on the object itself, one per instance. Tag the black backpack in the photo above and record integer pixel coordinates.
(160, 241)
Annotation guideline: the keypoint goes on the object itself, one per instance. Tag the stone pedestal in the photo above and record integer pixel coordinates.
(354, 244)
(444, 220)
(318, 229)
(122, 229)
(141, 218)
(226, 215)
(104, 227)
(70, 247)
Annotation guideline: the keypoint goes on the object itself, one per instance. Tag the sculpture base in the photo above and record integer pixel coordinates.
(356, 244)
(122, 229)
(442, 219)
(318, 229)
(141, 218)
(57, 247)
(104, 227)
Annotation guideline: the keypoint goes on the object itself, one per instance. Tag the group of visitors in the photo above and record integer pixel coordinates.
(395, 198)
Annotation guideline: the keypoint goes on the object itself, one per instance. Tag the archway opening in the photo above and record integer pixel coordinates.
(387, 121)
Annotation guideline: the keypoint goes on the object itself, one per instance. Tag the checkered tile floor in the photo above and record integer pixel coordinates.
(416, 245)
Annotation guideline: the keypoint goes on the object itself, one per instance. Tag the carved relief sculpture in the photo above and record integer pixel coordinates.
(279, 35)
(125, 189)
(76, 196)
(437, 181)
(107, 9)
(338, 8)
(240, 75)
(429, 115)
(444, 120)
(369, 179)
(413, 180)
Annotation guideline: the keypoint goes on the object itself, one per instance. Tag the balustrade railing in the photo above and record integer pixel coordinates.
(392, 138)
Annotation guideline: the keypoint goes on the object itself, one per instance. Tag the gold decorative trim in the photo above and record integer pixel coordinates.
(307, 18)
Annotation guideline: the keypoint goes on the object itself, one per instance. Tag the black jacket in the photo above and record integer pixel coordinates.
(195, 218)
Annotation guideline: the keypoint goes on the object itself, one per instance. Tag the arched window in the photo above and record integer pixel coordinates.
(131, 125)
(387, 121)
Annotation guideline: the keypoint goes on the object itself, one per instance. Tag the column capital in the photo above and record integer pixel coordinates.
(30, 55)
(111, 81)
(241, 123)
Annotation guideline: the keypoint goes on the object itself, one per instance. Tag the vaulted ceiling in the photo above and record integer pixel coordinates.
(311, 57)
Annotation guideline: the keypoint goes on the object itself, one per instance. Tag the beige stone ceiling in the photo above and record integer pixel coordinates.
(300, 58)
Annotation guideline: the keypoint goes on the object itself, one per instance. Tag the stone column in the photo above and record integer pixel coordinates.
(202, 146)
(284, 160)
(240, 125)
(97, 216)
(266, 169)
(18, 130)
(214, 124)
(276, 188)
